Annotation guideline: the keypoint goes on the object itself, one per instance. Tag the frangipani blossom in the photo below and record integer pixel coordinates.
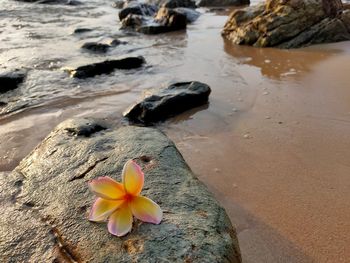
(120, 202)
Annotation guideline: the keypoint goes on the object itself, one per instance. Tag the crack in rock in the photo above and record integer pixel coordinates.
(89, 169)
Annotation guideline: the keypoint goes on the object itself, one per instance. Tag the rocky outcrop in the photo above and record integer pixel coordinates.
(11, 80)
(166, 20)
(45, 202)
(105, 67)
(157, 105)
(203, 3)
(286, 24)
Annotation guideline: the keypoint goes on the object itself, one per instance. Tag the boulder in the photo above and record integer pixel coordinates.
(166, 20)
(106, 67)
(137, 9)
(286, 24)
(11, 80)
(206, 3)
(160, 104)
(46, 201)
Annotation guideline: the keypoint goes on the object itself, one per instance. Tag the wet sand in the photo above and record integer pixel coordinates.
(273, 144)
(280, 164)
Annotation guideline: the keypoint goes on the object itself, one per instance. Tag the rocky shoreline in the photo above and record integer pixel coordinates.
(48, 189)
(286, 24)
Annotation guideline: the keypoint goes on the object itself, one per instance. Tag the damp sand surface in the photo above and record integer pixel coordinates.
(272, 145)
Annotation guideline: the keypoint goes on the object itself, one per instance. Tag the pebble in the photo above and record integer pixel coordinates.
(246, 136)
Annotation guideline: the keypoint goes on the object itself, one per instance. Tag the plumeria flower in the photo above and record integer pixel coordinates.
(119, 202)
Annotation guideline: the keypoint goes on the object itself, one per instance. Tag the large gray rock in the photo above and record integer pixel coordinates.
(286, 24)
(45, 201)
(160, 104)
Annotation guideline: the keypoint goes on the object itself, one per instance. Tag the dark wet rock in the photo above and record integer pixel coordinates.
(96, 47)
(115, 42)
(138, 9)
(209, 3)
(82, 30)
(164, 103)
(106, 67)
(60, 2)
(46, 200)
(53, 2)
(2, 104)
(11, 80)
(174, 3)
(191, 14)
(286, 24)
(166, 20)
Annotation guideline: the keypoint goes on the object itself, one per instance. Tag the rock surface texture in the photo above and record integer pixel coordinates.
(164, 103)
(286, 24)
(45, 201)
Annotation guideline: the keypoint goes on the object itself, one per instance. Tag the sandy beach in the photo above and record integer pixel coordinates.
(272, 145)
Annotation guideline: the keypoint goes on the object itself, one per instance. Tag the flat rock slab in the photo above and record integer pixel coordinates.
(164, 103)
(106, 67)
(46, 201)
